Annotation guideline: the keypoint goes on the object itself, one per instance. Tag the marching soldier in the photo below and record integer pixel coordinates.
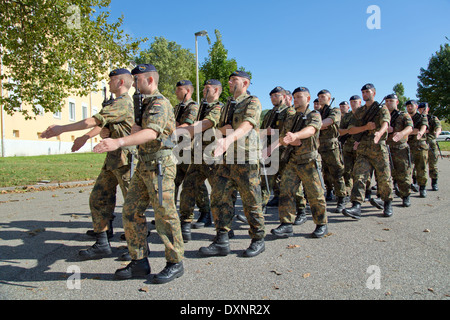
(153, 183)
(329, 148)
(433, 152)
(419, 148)
(116, 115)
(240, 125)
(400, 127)
(372, 154)
(301, 137)
(199, 171)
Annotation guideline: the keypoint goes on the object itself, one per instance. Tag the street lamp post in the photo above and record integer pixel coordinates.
(198, 34)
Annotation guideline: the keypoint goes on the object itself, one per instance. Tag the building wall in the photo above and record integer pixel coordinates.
(22, 137)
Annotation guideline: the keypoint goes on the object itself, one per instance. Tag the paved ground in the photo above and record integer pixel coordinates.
(407, 255)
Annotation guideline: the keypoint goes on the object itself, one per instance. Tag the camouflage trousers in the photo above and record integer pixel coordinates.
(143, 192)
(246, 179)
(349, 156)
(307, 174)
(201, 193)
(433, 156)
(420, 162)
(102, 200)
(401, 171)
(193, 189)
(333, 169)
(274, 184)
(370, 156)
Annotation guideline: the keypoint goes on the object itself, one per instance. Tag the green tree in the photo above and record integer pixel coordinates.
(173, 64)
(53, 49)
(218, 66)
(399, 90)
(434, 83)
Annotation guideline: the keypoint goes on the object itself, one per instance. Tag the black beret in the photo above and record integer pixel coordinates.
(324, 91)
(355, 97)
(343, 103)
(300, 89)
(119, 72)
(241, 74)
(414, 102)
(316, 100)
(391, 96)
(184, 83)
(368, 86)
(213, 82)
(143, 68)
(276, 90)
(423, 105)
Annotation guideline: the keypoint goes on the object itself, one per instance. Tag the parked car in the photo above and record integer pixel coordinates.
(444, 136)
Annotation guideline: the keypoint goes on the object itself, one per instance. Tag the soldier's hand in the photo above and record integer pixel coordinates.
(291, 139)
(79, 142)
(397, 136)
(51, 131)
(107, 145)
(370, 126)
(135, 128)
(355, 145)
(104, 133)
(221, 146)
(419, 135)
(224, 129)
(377, 137)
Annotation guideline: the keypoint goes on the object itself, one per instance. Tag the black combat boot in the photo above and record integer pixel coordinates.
(377, 203)
(340, 204)
(219, 247)
(406, 202)
(321, 231)
(256, 247)
(301, 217)
(203, 221)
(284, 230)
(135, 269)
(170, 272)
(98, 250)
(329, 195)
(186, 231)
(422, 192)
(353, 212)
(434, 186)
(109, 232)
(388, 208)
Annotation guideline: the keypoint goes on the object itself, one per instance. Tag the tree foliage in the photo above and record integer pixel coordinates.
(434, 83)
(399, 90)
(51, 49)
(173, 63)
(218, 66)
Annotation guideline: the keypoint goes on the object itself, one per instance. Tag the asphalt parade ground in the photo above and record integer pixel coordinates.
(405, 257)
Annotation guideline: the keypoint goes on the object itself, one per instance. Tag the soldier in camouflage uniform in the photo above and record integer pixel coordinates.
(155, 155)
(329, 148)
(419, 148)
(433, 132)
(240, 169)
(400, 127)
(118, 117)
(371, 153)
(199, 170)
(302, 167)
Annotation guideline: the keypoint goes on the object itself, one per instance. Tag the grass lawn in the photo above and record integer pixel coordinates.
(445, 145)
(20, 171)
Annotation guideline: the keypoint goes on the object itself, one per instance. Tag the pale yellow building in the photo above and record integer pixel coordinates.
(20, 137)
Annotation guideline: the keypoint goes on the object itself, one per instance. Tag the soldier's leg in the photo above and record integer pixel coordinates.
(309, 175)
(290, 183)
(222, 206)
(167, 221)
(180, 175)
(249, 187)
(361, 174)
(102, 200)
(188, 194)
(380, 163)
(433, 156)
(401, 172)
(421, 164)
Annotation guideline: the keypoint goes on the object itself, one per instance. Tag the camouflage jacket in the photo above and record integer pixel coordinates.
(308, 150)
(419, 120)
(329, 137)
(158, 116)
(118, 117)
(382, 116)
(434, 123)
(190, 112)
(399, 121)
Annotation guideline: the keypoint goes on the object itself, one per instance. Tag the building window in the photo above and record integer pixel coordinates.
(57, 115)
(72, 111)
(39, 135)
(84, 111)
(16, 134)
